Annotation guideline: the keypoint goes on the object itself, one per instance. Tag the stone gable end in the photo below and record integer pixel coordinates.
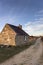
(7, 36)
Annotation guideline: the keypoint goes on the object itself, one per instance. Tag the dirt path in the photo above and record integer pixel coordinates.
(31, 56)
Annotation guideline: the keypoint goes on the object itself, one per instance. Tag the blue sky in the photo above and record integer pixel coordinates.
(29, 13)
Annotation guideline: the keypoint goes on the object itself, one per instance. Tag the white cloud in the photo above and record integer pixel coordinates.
(6, 19)
(41, 11)
(35, 27)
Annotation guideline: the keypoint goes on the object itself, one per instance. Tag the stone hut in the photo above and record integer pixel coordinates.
(13, 35)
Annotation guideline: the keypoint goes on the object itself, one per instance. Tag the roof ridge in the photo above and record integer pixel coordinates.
(17, 29)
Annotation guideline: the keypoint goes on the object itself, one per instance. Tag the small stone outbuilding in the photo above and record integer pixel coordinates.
(13, 35)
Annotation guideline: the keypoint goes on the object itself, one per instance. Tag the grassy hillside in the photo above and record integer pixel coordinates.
(6, 53)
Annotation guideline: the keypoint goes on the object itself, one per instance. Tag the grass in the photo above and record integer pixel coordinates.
(6, 53)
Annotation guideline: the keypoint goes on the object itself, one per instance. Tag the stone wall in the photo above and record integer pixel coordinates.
(20, 39)
(7, 36)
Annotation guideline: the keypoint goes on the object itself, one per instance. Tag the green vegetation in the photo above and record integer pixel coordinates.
(21, 64)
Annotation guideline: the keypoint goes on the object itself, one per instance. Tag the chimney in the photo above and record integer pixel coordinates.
(20, 26)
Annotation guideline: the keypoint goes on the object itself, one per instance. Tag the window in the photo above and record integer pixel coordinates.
(25, 38)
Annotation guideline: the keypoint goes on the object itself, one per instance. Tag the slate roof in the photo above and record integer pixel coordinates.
(18, 30)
